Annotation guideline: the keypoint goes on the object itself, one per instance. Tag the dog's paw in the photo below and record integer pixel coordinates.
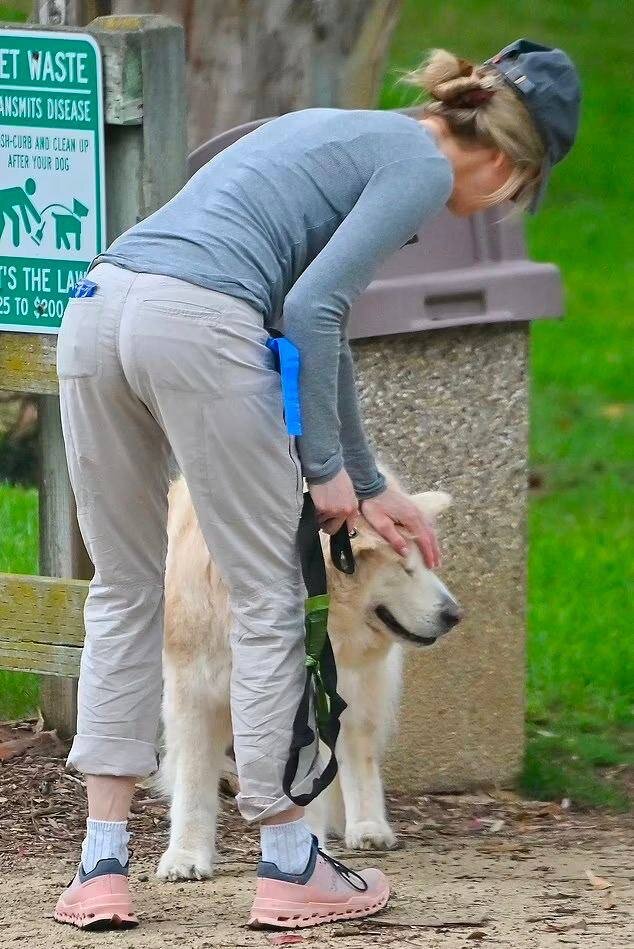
(177, 864)
(370, 835)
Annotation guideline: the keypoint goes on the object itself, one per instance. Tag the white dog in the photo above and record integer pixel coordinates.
(387, 603)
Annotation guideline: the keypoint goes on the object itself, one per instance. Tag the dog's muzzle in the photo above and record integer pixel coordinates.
(399, 630)
(448, 617)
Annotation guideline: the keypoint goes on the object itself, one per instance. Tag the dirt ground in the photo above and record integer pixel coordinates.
(479, 869)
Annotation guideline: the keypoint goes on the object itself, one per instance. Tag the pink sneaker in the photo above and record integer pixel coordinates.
(99, 899)
(325, 892)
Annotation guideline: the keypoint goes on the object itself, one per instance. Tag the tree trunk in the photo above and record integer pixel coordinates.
(68, 12)
(249, 59)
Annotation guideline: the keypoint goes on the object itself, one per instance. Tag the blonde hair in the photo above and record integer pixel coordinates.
(480, 107)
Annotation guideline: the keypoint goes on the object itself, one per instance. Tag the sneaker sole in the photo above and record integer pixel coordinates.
(98, 917)
(268, 913)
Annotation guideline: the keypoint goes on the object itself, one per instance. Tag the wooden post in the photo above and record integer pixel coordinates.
(145, 114)
(62, 551)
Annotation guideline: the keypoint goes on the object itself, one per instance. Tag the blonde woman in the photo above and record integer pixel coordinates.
(164, 348)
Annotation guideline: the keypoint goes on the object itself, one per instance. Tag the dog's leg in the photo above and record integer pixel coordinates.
(197, 734)
(326, 816)
(335, 811)
(316, 818)
(366, 823)
(364, 728)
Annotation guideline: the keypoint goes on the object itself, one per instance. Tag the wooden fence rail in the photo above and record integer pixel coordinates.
(41, 624)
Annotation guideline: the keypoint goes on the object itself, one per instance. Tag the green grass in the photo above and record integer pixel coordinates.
(18, 554)
(15, 12)
(580, 647)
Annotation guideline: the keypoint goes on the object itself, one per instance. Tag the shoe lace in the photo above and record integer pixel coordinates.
(348, 874)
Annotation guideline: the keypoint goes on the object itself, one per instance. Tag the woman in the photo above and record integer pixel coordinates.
(281, 231)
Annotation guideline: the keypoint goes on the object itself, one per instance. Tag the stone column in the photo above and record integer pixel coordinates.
(448, 409)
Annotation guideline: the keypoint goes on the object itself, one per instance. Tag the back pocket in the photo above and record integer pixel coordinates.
(77, 338)
(184, 308)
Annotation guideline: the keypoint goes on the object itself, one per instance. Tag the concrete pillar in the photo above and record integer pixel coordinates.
(448, 409)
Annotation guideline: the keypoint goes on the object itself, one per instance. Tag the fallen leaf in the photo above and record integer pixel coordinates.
(560, 895)
(503, 846)
(509, 796)
(14, 747)
(597, 882)
(418, 923)
(42, 743)
(477, 934)
(285, 939)
(566, 927)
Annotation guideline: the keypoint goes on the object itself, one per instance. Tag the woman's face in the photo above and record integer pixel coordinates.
(479, 176)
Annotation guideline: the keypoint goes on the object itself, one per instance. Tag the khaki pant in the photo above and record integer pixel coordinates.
(147, 364)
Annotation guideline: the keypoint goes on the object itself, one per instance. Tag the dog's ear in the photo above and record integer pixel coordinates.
(365, 537)
(432, 503)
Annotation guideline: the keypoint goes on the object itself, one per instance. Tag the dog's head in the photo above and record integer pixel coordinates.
(397, 598)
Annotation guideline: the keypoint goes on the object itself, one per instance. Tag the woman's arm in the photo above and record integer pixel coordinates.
(398, 198)
(358, 456)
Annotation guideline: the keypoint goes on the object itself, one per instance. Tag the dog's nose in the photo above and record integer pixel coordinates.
(450, 615)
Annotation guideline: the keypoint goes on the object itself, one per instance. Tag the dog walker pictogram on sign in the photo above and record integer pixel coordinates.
(52, 214)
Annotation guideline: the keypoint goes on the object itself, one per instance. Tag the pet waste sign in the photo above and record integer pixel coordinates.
(52, 215)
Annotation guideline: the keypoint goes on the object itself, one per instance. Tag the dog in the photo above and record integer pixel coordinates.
(387, 604)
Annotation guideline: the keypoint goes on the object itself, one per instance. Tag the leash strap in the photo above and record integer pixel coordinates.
(321, 670)
(288, 367)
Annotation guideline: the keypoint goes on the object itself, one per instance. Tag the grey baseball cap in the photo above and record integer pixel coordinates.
(548, 84)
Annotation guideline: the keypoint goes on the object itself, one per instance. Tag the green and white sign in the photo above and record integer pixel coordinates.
(52, 213)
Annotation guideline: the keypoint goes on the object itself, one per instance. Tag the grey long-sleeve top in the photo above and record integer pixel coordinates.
(295, 218)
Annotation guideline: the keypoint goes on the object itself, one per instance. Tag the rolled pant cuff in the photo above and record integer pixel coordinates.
(256, 809)
(117, 757)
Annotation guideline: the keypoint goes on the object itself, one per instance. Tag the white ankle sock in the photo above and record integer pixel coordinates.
(104, 839)
(286, 845)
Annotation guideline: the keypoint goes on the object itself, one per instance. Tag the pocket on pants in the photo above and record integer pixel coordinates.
(77, 339)
(183, 308)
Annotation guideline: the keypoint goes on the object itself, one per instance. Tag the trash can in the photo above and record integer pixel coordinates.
(441, 346)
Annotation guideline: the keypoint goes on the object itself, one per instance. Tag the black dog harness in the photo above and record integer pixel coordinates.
(320, 691)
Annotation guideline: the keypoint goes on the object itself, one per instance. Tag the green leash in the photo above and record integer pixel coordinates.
(321, 670)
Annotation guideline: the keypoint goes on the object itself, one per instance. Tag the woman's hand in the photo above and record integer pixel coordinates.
(391, 508)
(335, 503)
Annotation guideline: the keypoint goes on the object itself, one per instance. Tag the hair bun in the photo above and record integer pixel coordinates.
(455, 81)
(471, 99)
